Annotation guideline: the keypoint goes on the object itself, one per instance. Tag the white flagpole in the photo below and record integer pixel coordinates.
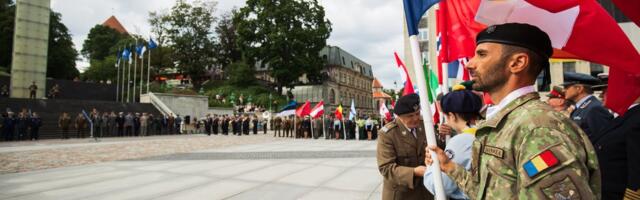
(311, 122)
(324, 128)
(118, 76)
(141, 72)
(129, 79)
(135, 58)
(148, 66)
(426, 111)
(344, 129)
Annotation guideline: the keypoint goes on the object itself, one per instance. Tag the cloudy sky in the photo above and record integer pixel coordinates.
(368, 29)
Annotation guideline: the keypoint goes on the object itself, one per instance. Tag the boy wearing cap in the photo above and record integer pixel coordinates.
(462, 109)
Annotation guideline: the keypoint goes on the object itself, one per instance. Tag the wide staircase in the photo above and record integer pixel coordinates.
(51, 109)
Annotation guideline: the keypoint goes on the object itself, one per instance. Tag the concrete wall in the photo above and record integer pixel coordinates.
(220, 111)
(182, 105)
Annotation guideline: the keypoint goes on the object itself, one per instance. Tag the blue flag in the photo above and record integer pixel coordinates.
(291, 106)
(125, 54)
(152, 44)
(413, 11)
(139, 49)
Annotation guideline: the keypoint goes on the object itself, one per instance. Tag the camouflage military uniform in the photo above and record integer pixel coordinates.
(519, 134)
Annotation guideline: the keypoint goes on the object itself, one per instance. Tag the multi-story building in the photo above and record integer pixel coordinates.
(349, 78)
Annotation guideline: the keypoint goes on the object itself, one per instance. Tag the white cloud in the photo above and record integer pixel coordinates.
(368, 29)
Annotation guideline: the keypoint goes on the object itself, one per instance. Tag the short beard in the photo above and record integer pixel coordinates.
(494, 77)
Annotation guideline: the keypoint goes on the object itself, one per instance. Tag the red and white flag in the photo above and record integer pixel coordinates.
(408, 86)
(384, 112)
(573, 27)
(317, 110)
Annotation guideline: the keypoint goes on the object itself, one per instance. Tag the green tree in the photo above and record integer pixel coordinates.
(286, 35)
(102, 70)
(241, 74)
(189, 31)
(61, 55)
(226, 48)
(98, 44)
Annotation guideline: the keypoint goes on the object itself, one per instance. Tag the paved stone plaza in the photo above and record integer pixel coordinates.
(264, 168)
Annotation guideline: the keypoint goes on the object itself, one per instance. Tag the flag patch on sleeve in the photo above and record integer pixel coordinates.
(539, 163)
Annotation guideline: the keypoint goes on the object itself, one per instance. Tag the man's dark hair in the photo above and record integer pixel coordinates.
(535, 60)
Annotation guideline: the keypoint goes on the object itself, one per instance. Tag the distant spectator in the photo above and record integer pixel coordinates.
(36, 123)
(81, 125)
(22, 123)
(128, 124)
(32, 90)
(144, 124)
(55, 91)
(8, 126)
(64, 122)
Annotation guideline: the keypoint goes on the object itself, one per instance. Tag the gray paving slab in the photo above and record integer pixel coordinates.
(295, 169)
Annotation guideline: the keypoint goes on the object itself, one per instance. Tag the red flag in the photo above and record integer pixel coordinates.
(630, 8)
(303, 110)
(459, 28)
(408, 86)
(317, 110)
(576, 24)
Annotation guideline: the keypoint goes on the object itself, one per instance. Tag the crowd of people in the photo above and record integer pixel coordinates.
(329, 127)
(24, 125)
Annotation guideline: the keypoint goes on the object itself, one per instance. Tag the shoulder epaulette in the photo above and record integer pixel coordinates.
(388, 127)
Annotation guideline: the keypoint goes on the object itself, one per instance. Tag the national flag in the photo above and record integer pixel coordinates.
(384, 112)
(125, 54)
(458, 70)
(630, 8)
(408, 86)
(142, 50)
(317, 110)
(304, 110)
(152, 44)
(290, 106)
(432, 89)
(338, 112)
(139, 49)
(458, 29)
(352, 112)
(539, 163)
(576, 24)
(118, 56)
(414, 9)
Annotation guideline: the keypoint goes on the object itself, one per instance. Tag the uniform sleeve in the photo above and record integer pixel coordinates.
(632, 190)
(450, 187)
(390, 170)
(596, 119)
(553, 165)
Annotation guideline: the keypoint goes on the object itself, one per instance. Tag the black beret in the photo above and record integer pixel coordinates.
(407, 104)
(516, 34)
(461, 101)
(572, 78)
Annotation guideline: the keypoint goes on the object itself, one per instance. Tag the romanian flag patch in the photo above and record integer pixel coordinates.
(539, 163)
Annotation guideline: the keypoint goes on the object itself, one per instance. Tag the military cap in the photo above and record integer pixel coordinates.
(572, 78)
(604, 78)
(556, 92)
(407, 104)
(517, 34)
(461, 101)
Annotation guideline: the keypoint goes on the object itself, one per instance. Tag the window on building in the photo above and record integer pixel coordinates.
(343, 62)
(569, 66)
(596, 69)
(332, 96)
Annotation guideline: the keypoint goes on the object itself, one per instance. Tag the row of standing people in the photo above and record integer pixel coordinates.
(330, 127)
(22, 126)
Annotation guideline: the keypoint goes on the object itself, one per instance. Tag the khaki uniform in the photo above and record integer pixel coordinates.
(529, 151)
(398, 153)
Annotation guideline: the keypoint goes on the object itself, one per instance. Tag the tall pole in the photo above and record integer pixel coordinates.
(129, 79)
(118, 76)
(324, 128)
(426, 111)
(148, 67)
(124, 65)
(141, 72)
(135, 58)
